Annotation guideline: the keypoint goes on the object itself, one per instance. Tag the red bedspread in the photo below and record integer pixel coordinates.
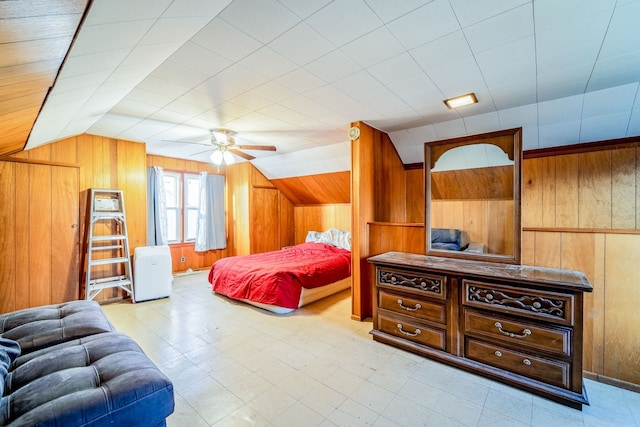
(277, 277)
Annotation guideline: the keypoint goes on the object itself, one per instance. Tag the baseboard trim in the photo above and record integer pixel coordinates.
(612, 381)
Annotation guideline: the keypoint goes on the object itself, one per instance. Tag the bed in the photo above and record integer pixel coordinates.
(284, 280)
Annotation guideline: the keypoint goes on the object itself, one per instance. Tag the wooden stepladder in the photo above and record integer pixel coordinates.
(108, 259)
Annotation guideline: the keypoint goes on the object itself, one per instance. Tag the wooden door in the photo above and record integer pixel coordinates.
(40, 232)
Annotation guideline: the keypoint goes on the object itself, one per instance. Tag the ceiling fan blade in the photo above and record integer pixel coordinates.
(257, 147)
(241, 154)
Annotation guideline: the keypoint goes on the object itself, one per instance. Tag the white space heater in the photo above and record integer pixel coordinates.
(152, 276)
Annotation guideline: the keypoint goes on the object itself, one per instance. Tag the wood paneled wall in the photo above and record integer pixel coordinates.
(377, 194)
(320, 218)
(97, 162)
(580, 211)
(192, 260)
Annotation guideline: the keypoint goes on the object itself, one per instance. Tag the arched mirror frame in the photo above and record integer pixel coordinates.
(513, 148)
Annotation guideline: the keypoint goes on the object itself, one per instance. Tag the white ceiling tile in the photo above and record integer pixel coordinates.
(333, 66)
(64, 84)
(623, 34)
(274, 91)
(425, 24)
(503, 28)
(178, 75)
(107, 37)
(268, 63)
(185, 8)
(615, 71)
(300, 81)
(633, 128)
(167, 30)
(514, 94)
(304, 8)
(249, 17)
(470, 12)
(560, 110)
(416, 90)
(301, 44)
(238, 76)
(609, 101)
(80, 93)
(200, 59)
(526, 115)
(450, 129)
(600, 128)
(373, 47)
(150, 56)
(557, 134)
(458, 77)
(389, 10)
(215, 35)
(92, 62)
(335, 22)
(166, 89)
(520, 64)
(399, 67)
(553, 14)
(570, 45)
(110, 12)
(481, 123)
(450, 48)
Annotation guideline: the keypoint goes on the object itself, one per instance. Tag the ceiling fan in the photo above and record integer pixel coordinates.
(223, 144)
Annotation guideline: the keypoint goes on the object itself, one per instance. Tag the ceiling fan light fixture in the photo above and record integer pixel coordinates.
(216, 157)
(228, 158)
(460, 101)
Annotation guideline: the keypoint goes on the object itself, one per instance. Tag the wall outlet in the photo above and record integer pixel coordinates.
(182, 259)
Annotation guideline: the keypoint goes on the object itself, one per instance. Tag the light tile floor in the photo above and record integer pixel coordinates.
(235, 365)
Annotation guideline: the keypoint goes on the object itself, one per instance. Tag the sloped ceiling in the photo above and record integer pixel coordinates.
(34, 39)
(296, 73)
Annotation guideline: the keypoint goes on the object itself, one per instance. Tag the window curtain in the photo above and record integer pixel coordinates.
(157, 228)
(210, 229)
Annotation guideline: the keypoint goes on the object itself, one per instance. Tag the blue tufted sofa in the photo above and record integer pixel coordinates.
(65, 365)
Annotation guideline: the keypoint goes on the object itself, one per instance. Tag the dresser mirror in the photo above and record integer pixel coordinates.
(472, 197)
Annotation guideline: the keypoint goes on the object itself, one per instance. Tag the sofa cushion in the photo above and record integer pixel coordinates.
(39, 327)
(9, 350)
(103, 379)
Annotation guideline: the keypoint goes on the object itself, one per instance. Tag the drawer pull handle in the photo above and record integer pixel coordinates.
(498, 353)
(525, 333)
(416, 307)
(527, 362)
(410, 334)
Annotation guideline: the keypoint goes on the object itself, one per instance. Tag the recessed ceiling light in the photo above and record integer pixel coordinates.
(460, 101)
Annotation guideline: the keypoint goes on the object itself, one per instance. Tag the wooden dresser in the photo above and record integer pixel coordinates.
(516, 324)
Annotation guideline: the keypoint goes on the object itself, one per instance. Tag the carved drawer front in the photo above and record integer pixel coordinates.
(424, 309)
(412, 331)
(549, 306)
(556, 340)
(432, 284)
(549, 371)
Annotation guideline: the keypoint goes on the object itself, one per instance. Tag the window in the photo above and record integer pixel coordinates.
(191, 206)
(182, 212)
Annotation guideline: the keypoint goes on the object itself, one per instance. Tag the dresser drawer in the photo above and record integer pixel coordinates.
(432, 285)
(548, 306)
(415, 307)
(545, 370)
(412, 331)
(528, 334)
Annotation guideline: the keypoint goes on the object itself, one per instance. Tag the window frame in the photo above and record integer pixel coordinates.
(182, 207)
